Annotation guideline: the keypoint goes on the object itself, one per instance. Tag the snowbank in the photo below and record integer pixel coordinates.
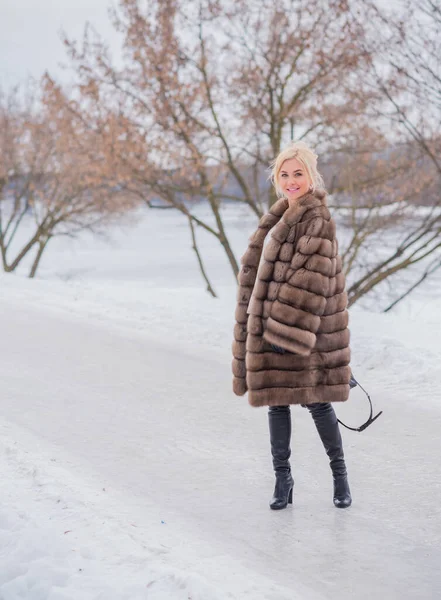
(64, 536)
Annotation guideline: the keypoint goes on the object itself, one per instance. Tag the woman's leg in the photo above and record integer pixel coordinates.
(326, 422)
(279, 418)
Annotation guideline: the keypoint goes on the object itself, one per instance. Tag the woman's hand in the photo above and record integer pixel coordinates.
(278, 349)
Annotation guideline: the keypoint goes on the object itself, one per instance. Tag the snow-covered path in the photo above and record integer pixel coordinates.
(159, 430)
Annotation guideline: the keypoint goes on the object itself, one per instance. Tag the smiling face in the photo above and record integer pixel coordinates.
(293, 179)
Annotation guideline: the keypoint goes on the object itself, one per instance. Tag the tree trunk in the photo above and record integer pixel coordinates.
(34, 240)
(272, 197)
(220, 225)
(4, 260)
(210, 290)
(41, 248)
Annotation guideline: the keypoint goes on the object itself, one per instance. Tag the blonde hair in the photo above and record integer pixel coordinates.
(303, 154)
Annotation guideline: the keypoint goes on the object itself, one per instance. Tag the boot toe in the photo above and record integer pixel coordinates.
(282, 493)
(278, 504)
(343, 502)
(342, 494)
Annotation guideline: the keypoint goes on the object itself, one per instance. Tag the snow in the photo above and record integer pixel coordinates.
(131, 471)
(42, 559)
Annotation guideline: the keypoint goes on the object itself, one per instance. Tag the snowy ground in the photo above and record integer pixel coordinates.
(130, 471)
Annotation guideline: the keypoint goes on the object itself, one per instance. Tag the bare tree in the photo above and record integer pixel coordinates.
(210, 91)
(414, 93)
(407, 75)
(51, 178)
(395, 224)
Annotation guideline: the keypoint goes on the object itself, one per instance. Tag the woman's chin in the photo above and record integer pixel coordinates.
(293, 197)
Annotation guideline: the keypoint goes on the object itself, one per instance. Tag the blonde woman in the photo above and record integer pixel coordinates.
(291, 335)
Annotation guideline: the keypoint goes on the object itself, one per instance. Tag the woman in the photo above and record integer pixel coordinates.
(291, 337)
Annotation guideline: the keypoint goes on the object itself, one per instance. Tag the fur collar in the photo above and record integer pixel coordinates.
(292, 214)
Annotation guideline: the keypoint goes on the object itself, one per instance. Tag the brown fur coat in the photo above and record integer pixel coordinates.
(294, 298)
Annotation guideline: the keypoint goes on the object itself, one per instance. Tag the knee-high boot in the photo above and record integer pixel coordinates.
(279, 418)
(325, 420)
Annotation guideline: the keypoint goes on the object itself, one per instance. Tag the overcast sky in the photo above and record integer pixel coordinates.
(30, 34)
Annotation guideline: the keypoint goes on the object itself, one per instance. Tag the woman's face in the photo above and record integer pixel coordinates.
(293, 179)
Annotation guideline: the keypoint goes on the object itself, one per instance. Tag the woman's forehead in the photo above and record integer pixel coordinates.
(291, 164)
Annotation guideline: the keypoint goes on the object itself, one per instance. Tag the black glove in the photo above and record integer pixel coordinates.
(278, 349)
(352, 382)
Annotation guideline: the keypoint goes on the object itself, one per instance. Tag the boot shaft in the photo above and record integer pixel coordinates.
(279, 420)
(328, 429)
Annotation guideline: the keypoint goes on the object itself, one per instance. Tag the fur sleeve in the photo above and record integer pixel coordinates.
(301, 300)
(247, 279)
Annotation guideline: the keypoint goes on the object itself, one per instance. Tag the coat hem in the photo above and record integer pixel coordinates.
(279, 396)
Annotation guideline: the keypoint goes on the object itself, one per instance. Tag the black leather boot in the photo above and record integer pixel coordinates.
(325, 420)
(279, 418)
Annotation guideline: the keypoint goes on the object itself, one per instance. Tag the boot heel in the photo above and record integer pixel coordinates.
(342, 493)
(282, 492)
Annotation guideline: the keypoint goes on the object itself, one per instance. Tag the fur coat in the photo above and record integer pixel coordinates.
(294, 298)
